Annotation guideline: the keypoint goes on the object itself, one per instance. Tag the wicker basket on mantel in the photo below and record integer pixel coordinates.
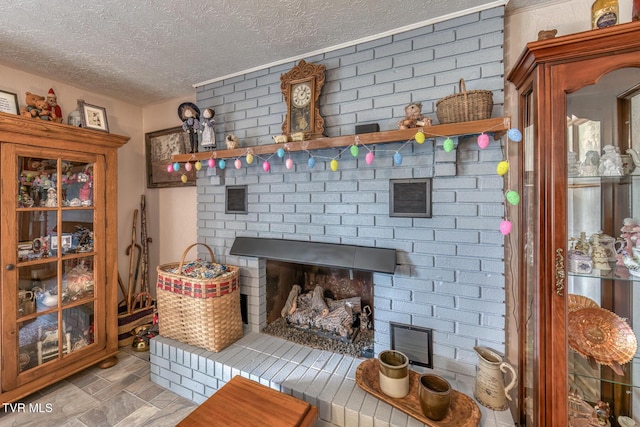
(465, 106)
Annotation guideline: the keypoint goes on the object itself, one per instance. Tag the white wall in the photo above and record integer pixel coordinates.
(171, 212)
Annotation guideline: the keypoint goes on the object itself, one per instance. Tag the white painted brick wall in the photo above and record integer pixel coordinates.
(450, 267)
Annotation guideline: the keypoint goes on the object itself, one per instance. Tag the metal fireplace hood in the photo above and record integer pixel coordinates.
(325, 254)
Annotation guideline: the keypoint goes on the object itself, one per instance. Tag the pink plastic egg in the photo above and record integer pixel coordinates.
(505, 227)
(212, 163)
(369, 157)
(266, 166)
(237, 164)
(483, 140)
(288, 163)
(170, 168)
(188, 166)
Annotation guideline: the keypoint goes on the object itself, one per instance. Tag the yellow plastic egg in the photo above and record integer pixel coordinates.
(198, 165)
(183, 178)
(249, 158)
(419, 137)
(334, 165)
(502, 168)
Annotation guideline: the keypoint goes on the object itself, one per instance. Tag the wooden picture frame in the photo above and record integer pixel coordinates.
(159, 147)
(9, 102)
(93, 117)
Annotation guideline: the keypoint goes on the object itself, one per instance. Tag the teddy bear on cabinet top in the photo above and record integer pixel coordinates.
(37, 107)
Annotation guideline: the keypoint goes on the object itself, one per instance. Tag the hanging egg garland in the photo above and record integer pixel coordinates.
(419, 137)
(198, 165)
(515, 135)
(237, 163)
(369, 158)
(280, 152)
(188, 166)
(212, 162)
(397, 158)
(311, 163)
(502, 168)
(288, 163)
(249, 158)
(222, 164)
(513, 197)
(483, 140)
(170, 168)
(505, 227)
(354, 150)
(334, 165)
(176, 166)
(266, 166)
(447, 145)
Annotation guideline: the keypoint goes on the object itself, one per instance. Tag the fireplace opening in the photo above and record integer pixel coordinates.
(322, 307)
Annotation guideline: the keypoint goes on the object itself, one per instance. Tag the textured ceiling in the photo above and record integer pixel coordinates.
(147, 51)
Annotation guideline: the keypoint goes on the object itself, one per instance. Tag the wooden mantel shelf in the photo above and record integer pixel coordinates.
(497, 125)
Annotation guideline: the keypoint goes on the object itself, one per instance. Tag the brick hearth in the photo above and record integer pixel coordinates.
(322, 378)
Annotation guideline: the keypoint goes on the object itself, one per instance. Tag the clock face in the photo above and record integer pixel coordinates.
(301, 95)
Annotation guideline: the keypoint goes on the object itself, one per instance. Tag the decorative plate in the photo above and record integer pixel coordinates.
(576, 302)
(602, 335)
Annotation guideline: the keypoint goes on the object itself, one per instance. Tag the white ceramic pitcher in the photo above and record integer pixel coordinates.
(490, 390)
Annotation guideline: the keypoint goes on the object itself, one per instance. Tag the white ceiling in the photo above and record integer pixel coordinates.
(148, 51)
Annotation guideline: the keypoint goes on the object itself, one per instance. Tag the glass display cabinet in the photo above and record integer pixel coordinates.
(579, 268)
(59, 244)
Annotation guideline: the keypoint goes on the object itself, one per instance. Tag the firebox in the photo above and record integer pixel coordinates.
(320, 294)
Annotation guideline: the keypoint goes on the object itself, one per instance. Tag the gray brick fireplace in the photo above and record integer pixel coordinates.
(449, 272)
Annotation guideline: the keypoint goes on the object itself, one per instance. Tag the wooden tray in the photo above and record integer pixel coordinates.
(463, 412)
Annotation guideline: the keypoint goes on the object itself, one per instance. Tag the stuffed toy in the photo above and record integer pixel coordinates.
(413, 117)
(42, 108)
(232, 141)
(56, 111)
(32, 110)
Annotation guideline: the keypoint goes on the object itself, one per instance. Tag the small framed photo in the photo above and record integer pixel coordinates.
(9, 102)
(159, 147)
(93, 117)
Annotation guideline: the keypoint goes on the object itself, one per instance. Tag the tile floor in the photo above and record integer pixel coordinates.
(121, 396)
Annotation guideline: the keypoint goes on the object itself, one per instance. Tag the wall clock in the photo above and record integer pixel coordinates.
(301, 88)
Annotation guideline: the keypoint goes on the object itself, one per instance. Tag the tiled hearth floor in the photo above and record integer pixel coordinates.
(122, 396)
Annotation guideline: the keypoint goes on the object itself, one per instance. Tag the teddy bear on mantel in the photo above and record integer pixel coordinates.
(414, 117)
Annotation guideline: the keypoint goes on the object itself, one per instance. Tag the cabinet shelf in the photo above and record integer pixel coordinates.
(497, 126)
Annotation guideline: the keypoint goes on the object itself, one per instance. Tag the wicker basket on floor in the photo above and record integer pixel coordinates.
(200, 312)
(465, 106)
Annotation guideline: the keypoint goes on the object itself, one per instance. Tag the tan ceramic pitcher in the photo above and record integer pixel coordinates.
(490, 390)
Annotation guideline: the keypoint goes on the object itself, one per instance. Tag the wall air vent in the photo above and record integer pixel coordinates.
(410, 197)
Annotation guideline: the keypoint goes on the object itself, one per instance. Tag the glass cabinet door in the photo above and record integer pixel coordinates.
(50, 231)
(603, 250)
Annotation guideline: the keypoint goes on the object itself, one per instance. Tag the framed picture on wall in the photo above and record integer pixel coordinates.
(159, 147)
(8, 102)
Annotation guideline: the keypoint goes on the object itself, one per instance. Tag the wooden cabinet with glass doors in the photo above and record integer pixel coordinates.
(58, 239)
(579, 269)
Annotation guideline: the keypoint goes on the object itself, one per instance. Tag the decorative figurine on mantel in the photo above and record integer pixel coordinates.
(189, 113)
(414, 117)
(206, 127)
(232, 141)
